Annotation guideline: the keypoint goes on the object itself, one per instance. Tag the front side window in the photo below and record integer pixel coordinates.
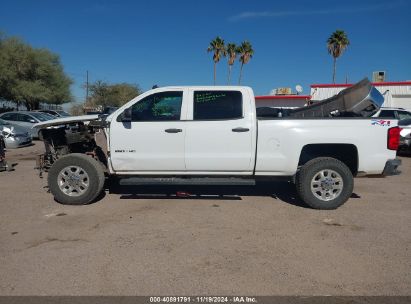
(24, 118)
(217, 105)
(163, 106)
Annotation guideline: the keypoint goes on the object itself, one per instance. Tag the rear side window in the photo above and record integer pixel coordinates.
(24, 118)
(387, 114)
(10, 116)
(4, 123)
(216, 105)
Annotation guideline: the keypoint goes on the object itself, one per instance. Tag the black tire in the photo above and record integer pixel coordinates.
(95, 179)
(312, 169)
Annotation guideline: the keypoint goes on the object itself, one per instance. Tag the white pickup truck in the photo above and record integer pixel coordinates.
(215, 136)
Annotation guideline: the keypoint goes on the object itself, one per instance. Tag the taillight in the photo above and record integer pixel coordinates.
(393, 138)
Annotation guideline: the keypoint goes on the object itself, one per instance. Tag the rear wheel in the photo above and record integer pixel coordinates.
(324, 183)
(76, 179)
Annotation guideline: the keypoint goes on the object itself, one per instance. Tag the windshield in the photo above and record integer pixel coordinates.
(48, 115)
(63, 113)
(41, 116)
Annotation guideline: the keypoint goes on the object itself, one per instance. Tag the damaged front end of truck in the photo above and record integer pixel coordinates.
(81, 134)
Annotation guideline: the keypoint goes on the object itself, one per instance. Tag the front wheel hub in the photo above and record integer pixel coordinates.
(73, 180)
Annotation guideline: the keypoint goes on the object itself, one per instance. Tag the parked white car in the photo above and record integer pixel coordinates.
(404, 123)
(405, 134)
(14, 136)
(393, 113)
(212, 136)
(26, 120)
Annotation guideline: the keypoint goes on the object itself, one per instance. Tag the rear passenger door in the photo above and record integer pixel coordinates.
(25, 120)
(219, 132)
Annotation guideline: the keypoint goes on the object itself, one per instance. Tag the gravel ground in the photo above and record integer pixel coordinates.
(226, 240)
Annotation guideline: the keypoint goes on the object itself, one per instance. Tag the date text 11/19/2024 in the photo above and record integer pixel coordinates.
(203, 299)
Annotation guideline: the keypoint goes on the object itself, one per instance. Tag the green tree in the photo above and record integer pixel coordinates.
(336, 45)
(99, 94)
(231, 51)
(218, 48)
(246, 52)
(76, 109)
(115, 95)
(30, 75)
(121, 93)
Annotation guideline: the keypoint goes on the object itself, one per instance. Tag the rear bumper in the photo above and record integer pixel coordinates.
(391, 167)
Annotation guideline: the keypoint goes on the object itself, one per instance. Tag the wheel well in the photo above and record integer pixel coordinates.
(347, 153)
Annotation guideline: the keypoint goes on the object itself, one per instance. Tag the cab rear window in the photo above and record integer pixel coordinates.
(387, 114)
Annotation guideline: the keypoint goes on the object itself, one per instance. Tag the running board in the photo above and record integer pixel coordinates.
(199, 181)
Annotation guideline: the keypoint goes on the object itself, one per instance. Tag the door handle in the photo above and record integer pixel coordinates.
(173, 130)
(240, 129)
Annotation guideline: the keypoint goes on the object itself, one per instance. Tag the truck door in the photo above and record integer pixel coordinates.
(220, 132)
(154, 139)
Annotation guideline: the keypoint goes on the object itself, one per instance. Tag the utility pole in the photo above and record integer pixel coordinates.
(86, 86)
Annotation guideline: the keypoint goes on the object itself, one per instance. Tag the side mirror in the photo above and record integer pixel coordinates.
(32, 121)
(126, 115)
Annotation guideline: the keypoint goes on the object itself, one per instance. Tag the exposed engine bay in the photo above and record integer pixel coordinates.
(73, 138)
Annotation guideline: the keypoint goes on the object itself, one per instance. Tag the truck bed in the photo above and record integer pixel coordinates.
(360, 100)
(280, 142)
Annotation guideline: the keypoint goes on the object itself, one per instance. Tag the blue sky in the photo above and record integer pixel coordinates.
(164, 42)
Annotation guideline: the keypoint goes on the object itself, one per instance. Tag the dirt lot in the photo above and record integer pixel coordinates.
(253, 240)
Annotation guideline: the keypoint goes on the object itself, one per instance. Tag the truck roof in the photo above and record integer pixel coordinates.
(209, 87)
(393, 109)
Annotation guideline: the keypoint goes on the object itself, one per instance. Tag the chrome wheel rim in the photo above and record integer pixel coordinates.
(327, 185)
(73, 181)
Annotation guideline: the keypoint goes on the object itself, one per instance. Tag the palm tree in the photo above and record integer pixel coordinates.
(231, 50)
(336, 45)
(218, 48)
(246, 52)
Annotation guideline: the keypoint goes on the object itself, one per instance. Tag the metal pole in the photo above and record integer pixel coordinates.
(86, 86)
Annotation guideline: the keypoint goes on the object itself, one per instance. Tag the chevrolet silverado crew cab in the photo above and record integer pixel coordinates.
(214, 135)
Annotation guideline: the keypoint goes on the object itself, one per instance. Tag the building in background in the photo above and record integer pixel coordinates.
(283, 97)
(396, 94)
(282, 101)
